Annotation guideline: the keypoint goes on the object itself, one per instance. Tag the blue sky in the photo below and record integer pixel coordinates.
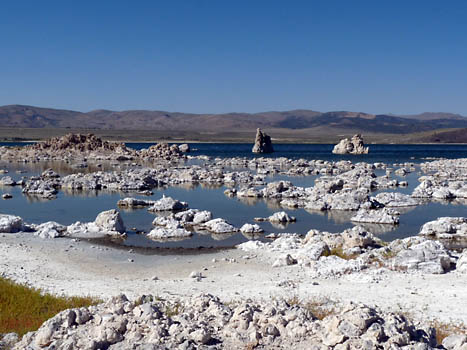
(246, 56)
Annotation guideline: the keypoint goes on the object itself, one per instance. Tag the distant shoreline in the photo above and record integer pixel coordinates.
(279, 136)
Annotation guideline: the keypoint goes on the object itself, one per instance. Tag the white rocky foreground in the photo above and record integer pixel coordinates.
(415, 274)
(205, 322)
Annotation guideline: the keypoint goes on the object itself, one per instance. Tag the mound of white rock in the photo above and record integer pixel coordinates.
(380, 216)
(11, 223)
(167, 204)
(278, 217)
(219, 226)
(106, 223)
(204, 322)
(449, 228)
(427, 257)
(354, 145)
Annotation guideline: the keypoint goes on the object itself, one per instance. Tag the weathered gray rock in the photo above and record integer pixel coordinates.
(285, 260)
(202, 217)
(263, 143)
(251, 228)
(185, 148)
(445, 228)
(110, 220)
(427, 257)
(7, 181)
(356, 237)
(396, 199)
(351, 146)
(281, 217)
(150, 323)
(169, 233)
(461, 265)
(50, 229)
(8, 340)
(380, 216)
(134, 203)
(219, 226)
(168, 204)
(107, 223)
(455, 342)
(11, 223)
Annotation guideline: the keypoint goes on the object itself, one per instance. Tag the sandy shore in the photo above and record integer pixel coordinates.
(68, 267)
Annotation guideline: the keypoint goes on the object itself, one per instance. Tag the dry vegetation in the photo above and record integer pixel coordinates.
(23, 309)
(444, 330)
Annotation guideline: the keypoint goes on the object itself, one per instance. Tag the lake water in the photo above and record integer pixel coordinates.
(84, 206)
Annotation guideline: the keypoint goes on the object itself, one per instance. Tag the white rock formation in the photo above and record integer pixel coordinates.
(263, 143)
(110, 220)
(445, 228)
(396, 199)
(50, 229)
(168, 204)
(379, 216)
(251, 228)
(427, 257)
(461, 265)
(11, 223)
(351, 146)
(169, 233)
(219, 226)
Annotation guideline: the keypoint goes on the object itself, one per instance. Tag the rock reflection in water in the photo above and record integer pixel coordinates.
(378, 228)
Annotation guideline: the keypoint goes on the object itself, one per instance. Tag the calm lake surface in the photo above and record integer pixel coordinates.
(84, 206)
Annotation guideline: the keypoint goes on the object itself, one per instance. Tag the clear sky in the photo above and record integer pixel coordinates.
(247, 56)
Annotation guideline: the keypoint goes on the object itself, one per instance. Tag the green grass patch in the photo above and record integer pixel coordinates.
(24, 309)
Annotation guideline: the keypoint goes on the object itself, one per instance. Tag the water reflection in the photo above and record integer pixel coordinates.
(78, 205)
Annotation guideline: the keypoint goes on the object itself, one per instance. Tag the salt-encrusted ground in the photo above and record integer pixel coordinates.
(70, 267)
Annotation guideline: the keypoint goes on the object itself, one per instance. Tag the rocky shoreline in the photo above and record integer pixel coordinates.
(410, 275)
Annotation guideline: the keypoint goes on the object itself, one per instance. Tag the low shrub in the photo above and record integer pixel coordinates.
(24, 309)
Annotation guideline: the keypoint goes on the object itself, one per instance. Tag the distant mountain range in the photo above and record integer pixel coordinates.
(18, 116)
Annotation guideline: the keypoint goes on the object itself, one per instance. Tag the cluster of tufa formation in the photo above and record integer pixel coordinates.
(79, 142)
(354, 145)
(204, 322)
(263, 143)
(79, 147)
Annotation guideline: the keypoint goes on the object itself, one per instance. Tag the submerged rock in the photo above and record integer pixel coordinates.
(263, 143)
(351, 146)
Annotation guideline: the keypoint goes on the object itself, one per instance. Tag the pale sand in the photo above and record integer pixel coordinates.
(84, 269)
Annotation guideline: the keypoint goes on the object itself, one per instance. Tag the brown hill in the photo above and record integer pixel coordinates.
(18, 116)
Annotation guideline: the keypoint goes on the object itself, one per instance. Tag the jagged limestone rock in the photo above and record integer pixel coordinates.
(263, 143)
(354, 145)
